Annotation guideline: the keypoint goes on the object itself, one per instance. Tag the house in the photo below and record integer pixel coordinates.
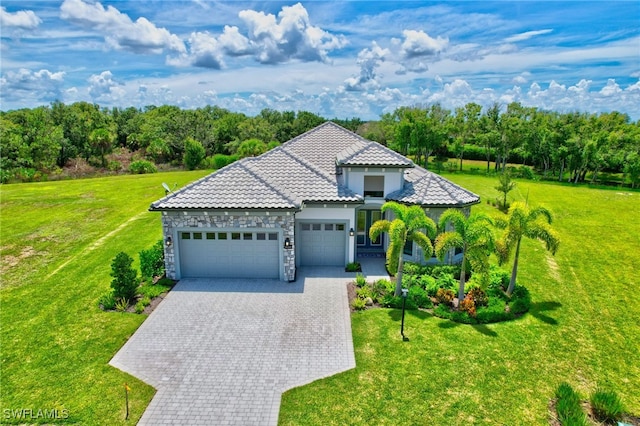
(310, 201)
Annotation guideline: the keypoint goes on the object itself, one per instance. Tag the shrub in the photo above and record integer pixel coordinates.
(467, 305)
(152, 261)
(606, 406)
(142, 303)
(352, 267)
(142, 167)
(361, 281)
(194, 154)
(520, 300)
(391, 301)
(219, 161)
(498, 277)
(494, 312)
(358, 304)
(122, 305)
(525, 172)
(445, 296)
(153, 290)
(479, 297)
(107, 302)
(364, 292)
(443, 311)
(429, 284)
(382, 288)
(447, 281)
(568, 406)
(125, 278)
(420, 297)
(412, 268)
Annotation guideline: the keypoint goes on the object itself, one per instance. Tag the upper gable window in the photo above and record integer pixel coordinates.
(374, 186)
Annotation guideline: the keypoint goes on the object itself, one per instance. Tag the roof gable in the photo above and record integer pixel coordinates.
(368, 153)
(425, 188)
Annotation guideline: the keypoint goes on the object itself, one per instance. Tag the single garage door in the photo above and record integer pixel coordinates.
(322, 244)
(236, 253)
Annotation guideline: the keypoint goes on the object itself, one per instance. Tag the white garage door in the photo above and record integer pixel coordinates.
(233, 253)
(322, 244)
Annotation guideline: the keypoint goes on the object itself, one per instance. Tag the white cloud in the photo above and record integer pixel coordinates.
(102, 87)
(26, 85)
(23, 19)
(368, 60)
(290, 36)
(526, 35)
(612, 88)
(119, 31)
(234, 43)
(418, 44)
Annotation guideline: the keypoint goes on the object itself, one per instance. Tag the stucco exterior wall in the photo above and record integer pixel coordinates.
(393, 178)
(172, 222)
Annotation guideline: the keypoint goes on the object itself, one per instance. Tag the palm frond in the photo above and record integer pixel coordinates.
(447, 241)
(378, 227)
(423, 241)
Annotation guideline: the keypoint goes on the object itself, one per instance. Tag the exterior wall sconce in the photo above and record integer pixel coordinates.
(168, 241)
(287, 244)
(351, 232)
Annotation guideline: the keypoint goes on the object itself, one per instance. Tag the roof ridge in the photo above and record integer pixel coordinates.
(259, 174)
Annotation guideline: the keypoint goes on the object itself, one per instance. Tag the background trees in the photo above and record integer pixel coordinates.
(573, 147)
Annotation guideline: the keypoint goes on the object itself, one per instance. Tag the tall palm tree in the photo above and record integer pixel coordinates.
(410, 224)
(473, 235)
(522, 221)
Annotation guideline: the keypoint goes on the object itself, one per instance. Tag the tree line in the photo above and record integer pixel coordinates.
(566, 146)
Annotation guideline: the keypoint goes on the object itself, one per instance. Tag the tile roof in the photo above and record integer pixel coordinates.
(304, 170)
(368, 153)
(425, 188)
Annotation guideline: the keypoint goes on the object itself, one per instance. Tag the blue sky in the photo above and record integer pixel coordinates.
(337, 59)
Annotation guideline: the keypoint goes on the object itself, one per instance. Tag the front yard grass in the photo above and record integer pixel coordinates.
(57, 243)
(583, 328)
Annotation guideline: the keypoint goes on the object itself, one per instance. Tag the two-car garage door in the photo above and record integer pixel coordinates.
(232, 253)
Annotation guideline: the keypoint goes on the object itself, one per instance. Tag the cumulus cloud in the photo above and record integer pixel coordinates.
(289, 36)
(269, 39)
(417, 49)
(26, 85)
(368, 59)
(23, 19)
(102, 87)
(119, 31)
(526, 35)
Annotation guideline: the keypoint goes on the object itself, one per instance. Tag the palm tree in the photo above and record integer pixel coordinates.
(410, 224)
(522, 221)
(473, 235)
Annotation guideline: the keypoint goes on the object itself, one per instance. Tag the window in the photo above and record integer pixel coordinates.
(328, 227)
(339, 227)
(222, 235)
(273, 236)
(235, 235)
(211, 236)
(408, 248)
(197, 235)
(306, 227)
(247, 236)
(374, 186)
(261, 236)
(185, 235)
(316, 226)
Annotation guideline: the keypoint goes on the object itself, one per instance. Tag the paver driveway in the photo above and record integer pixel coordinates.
(222, 351)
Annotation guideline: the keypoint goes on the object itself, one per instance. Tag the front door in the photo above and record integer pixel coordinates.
(366, 218)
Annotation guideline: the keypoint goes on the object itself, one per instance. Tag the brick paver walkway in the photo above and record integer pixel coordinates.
(221, 352)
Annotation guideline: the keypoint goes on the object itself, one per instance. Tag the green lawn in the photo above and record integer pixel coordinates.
(584, 328)
(57, 242)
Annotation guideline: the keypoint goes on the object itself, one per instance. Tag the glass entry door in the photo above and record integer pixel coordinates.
(366, 218)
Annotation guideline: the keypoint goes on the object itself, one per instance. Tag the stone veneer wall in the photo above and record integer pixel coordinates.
(171, 221)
